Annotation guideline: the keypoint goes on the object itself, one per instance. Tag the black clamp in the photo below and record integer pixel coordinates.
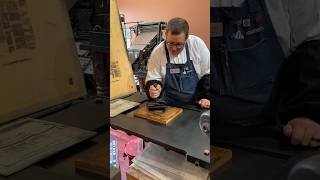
(156, 106)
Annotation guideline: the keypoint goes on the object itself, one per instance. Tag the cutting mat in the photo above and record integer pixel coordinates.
(161, 117)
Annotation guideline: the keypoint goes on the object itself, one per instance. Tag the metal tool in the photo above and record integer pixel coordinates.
(204, 122)
(156, 106)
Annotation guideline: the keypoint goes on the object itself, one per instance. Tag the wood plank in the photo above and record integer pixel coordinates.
(94, 162)
(220, 158)
(165, 117)
(135, 173)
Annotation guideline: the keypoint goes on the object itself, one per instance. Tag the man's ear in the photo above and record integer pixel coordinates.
(166, 34)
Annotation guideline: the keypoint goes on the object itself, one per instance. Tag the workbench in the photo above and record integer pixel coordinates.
(266, 157)
(84, 114)
(182, 135)
(259, 157)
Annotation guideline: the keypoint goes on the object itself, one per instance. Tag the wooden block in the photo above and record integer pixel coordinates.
(94, 162)
(161, 117)
(135, 173)
(220, 158)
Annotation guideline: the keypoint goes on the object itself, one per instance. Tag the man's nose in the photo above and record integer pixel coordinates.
(174, 48)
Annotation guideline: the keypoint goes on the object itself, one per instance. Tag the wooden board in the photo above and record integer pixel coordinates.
(161, 117)
(220, 158)
(94, 162)
(133, 173)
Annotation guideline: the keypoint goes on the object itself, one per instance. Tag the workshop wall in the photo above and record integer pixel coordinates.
(196, 12)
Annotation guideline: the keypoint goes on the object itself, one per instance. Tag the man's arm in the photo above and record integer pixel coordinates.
(204, 57)
(202, 94)
(298, 95)
(154, 72)
(300, 83)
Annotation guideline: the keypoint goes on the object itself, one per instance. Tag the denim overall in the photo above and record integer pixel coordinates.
(247, 57)
(180, 81)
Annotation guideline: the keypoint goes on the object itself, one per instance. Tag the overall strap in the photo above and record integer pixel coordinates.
(167, 52)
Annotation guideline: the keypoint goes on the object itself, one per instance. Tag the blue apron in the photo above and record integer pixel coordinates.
(247, 57)
(180, 81)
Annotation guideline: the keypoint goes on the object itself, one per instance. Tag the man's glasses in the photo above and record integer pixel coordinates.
(178, 45)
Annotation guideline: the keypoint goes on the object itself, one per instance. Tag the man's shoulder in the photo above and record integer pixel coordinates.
(158, 49)
(195, 40)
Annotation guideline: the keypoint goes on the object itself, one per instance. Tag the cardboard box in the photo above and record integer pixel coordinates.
(39, 66)
(121, 76)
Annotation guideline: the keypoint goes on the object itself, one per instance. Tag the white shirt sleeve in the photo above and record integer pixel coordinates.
(304, 21)
(154, 66)
(294, 21)
(204, 57)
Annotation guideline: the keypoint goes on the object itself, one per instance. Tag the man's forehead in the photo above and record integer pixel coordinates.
(176, 34)
(180, 36)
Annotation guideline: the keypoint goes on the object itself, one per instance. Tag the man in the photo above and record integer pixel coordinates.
(297, 93)
(176, 65)
(251, 41)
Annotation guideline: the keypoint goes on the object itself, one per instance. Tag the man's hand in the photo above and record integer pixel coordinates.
(303, 131)
(204, 103)
(155, 91)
